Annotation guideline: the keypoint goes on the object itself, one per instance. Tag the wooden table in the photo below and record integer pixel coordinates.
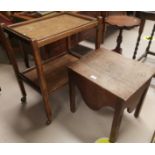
(106, 78)
(122, 22)
(55, 48)
(49, 75)
(144, 15)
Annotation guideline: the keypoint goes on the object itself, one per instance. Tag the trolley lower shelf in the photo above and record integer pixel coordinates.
(55, 72)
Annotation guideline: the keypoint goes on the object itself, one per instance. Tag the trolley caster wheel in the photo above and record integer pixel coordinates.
(48, 122)
(23, 99)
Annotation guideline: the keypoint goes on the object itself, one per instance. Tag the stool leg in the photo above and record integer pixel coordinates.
(119, 41)
(119, 109)
(139, 106)
(71, 92)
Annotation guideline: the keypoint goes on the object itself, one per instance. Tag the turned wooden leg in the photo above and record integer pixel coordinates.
(71, 92)
(119, 41)
(139, 106)
(119, 109)
(141, 28)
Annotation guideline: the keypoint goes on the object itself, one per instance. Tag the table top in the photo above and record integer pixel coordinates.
(54, 27)
(119, 75)
(122, 21)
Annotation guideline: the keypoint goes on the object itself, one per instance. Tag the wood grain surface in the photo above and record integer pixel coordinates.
(50, 26)
(119, 75)
(55, 72)
(122, 20)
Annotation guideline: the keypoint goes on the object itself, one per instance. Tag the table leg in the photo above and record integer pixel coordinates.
(103, 14)
(119, 109)
(140, 104)
(11, 56)
(141, 28)
(71, 92)
(119, 41)
(103, 33)
(68, 41)
(43, 85)
(99, 33)
(149, 44)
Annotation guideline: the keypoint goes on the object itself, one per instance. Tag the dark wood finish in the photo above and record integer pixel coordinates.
(27, 15)
(144, 15)
(42, 81)
(55, 72)
(139, 106)
(147, 51)
(91, 33)
(122, 22)
(59, 46)
(118, 115)
(7, 46)
(105, 78)
(118, 48)
(96, 14)
(49, 75)
(139, 36)
(99, 33)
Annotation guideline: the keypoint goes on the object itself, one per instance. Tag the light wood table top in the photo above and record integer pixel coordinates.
(52, 28)
(118, 75)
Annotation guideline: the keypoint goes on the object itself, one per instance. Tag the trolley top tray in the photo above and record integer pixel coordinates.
(53, 27)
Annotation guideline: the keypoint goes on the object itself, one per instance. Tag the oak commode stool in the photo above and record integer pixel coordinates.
(106, 78)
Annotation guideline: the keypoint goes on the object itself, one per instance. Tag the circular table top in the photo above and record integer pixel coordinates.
(122, 21)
